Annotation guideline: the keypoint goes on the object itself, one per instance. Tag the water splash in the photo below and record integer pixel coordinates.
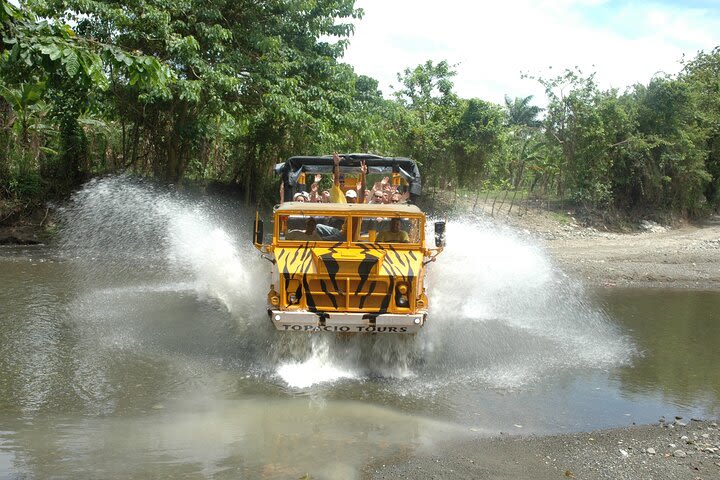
(121, 229)
(320, 367)
(502, 315)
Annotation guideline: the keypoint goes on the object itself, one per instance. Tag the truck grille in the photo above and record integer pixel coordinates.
(348, 294)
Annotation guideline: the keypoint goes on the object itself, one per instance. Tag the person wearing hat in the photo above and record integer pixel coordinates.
(301, 197)
(351, 196)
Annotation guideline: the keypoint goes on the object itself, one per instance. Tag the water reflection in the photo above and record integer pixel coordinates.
(678, 334)
(252, 438)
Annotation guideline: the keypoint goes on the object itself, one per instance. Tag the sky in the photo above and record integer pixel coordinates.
(493, 42)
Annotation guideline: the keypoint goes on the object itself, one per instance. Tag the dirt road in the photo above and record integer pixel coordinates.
(683, 257)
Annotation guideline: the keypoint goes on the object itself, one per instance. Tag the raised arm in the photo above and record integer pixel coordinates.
(314, 189)
(360, 187)
(336, 169)
(336, 193)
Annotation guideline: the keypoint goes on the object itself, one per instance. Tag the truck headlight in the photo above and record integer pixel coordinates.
(402, 301)
(401, 295)
(292, 298)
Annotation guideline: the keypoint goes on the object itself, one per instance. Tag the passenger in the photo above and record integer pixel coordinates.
(301, 197)
(310, 232)
(310, 229)
(325, 197)
(377, 197)
(377, 190)
(362, 183)
(315, 196)
(336, 193)
(394, 235)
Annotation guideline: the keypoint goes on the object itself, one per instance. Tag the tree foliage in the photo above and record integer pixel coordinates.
(221, 90)
(49, 71)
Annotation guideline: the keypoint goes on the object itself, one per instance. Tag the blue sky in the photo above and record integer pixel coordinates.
(625, 42)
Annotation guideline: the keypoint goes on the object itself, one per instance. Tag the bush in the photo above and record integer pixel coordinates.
(23, 178)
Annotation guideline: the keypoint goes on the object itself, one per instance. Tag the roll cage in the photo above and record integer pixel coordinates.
(292, 170)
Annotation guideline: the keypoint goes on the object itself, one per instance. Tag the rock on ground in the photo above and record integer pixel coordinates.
(588, 455)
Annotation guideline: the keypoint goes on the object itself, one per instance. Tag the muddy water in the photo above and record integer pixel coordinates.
(138, 348)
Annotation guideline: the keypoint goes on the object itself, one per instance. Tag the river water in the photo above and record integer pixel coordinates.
(137, 347)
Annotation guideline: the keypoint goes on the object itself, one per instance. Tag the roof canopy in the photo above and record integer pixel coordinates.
(293, 167)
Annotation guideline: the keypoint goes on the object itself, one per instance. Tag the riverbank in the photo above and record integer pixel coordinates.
(675, 449)
(27, 224)
(653, 256)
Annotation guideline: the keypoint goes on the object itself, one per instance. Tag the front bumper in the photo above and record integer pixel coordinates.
(347, 322)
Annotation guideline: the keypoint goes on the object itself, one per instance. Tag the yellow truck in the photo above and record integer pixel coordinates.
(348, 267)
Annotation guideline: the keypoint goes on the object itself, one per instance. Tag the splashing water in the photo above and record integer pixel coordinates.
(501, 314)
(136, 228)
(320, 367)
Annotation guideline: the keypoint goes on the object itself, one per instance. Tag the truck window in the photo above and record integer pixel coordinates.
(311, 228)
(389, 230)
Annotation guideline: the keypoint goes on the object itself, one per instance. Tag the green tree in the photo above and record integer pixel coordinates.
(521, 113)
(263, 67)
(433, 111)
(702, 74)
(478, 137)
(579, 137)
(663, 164)
(525, 145)
(44, 60)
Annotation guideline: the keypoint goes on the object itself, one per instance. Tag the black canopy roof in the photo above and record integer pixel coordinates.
(293, 167)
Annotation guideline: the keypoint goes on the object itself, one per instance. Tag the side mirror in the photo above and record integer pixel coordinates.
(439, 234)
(258, 232)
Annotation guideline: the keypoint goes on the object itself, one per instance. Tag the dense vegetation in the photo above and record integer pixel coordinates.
(188, 90)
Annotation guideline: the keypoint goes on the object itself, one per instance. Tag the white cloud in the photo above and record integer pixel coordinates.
(493, 42)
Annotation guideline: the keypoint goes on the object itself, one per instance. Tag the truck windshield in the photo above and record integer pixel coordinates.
(329, 228)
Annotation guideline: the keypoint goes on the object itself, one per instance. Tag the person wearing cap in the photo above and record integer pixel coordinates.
(301, 197)
(351, 196)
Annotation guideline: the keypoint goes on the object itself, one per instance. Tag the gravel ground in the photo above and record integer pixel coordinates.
(656, 256)
(681, 449)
